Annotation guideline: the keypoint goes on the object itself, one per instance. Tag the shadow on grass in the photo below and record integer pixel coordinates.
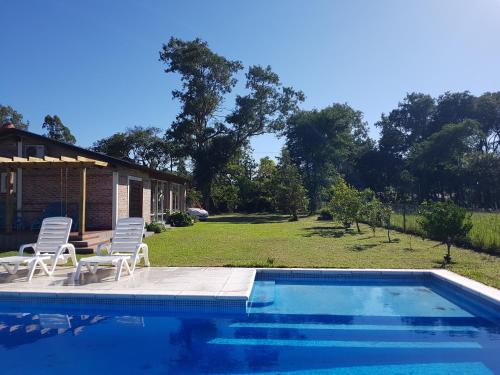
(329, 232)
(363, 247)
(249, 219)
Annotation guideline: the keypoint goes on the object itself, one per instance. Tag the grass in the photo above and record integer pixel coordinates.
(485, 233)
(273, 241)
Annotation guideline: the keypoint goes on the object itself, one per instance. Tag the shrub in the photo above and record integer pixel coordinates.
(445, 222)
(180, 219)
(156, 227)
(325, 214)
(346, 203)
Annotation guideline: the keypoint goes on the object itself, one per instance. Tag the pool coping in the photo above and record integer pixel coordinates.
(477, 288)
(238, 299)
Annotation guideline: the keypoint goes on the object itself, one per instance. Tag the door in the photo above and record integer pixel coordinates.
(135, 198)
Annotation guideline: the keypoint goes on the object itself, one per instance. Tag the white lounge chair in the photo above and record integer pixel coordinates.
(52, 248)
(124, 252)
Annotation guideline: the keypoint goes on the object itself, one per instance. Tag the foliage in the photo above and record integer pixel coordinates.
(143, 145)
(325, 214)
(193, 198)
(290, 193)
(9, 114)
(484, 235)
(385, 218)
(57, 130)
(346, 203)
(371, 213)
(323, 143)
(201, 133)
(436, 148)
(180, 219)
(156, 227)
(445, 222)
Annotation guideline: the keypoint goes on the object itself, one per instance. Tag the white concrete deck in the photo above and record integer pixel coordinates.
(224, 283)
(197, 282)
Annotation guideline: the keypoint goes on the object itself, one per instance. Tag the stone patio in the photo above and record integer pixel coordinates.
(224, 283)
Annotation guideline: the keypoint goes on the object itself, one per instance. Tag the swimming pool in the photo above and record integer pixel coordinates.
(303, 324)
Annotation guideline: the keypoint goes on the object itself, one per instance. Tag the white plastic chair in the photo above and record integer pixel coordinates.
(52, 248)
(125, 251)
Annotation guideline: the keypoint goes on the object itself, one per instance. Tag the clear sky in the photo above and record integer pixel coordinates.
(95, 63)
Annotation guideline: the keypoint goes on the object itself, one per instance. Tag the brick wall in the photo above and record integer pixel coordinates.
(46, 188)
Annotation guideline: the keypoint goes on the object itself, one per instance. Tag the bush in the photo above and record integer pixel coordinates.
(180, 219)
(156, 227)
(325, 214)
(445, 222)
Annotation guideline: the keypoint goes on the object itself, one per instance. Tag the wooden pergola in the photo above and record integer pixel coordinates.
(79, 162)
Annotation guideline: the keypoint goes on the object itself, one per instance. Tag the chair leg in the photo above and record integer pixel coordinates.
(119, 268)
(32, 268)
(146, 255)
(13, 270)
(78, 270)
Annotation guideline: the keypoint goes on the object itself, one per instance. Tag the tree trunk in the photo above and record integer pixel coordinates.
(357, 226)
(389, 234)
(447, 257)
(295, 217)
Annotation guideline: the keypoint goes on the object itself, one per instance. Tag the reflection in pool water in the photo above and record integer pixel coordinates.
(308, 327)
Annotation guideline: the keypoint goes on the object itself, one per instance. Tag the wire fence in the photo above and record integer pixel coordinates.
(484, 235)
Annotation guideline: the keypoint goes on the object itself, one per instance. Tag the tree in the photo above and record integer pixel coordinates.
(143, 145)
(57, 130)
(9, 114)
(118, 145)
(264, 179)
(445, 222)
(439, 161)
(372, 213)
(202, 132)
(290, 193)
(324, 143)
(346, 203)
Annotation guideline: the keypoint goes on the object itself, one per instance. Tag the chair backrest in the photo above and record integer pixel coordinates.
(53, 233)
(127, 235)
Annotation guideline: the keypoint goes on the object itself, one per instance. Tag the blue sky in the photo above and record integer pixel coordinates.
(95, 63)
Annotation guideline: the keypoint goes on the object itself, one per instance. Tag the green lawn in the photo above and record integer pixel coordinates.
(272, 241)
(485, 232)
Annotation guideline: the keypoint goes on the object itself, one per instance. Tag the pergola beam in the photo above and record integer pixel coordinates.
(48, 162)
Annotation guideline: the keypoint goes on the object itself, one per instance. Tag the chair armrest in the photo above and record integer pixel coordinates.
(23, 247)
(100, 247)
(69, 246)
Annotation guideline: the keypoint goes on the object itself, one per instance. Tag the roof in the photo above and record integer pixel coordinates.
(153, 173)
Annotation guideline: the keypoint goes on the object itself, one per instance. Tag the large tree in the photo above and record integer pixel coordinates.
(9, 114)
(323, 143)
(57, 130)
(203, 132)
(143, 145)
(440, 160)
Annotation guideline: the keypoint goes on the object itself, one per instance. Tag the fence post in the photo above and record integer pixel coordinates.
(404, 218)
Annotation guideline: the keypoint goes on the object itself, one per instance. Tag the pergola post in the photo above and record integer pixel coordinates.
(9, 202)
(83, 200)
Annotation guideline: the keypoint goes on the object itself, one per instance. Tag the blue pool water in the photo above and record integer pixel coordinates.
(300, 326)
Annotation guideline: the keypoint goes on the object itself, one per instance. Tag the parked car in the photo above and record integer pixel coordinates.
(200, 213)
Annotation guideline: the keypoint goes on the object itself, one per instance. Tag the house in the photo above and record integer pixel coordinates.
(41, 177)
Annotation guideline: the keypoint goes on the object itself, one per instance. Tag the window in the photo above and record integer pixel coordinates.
(3, 183)
(37, 151)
